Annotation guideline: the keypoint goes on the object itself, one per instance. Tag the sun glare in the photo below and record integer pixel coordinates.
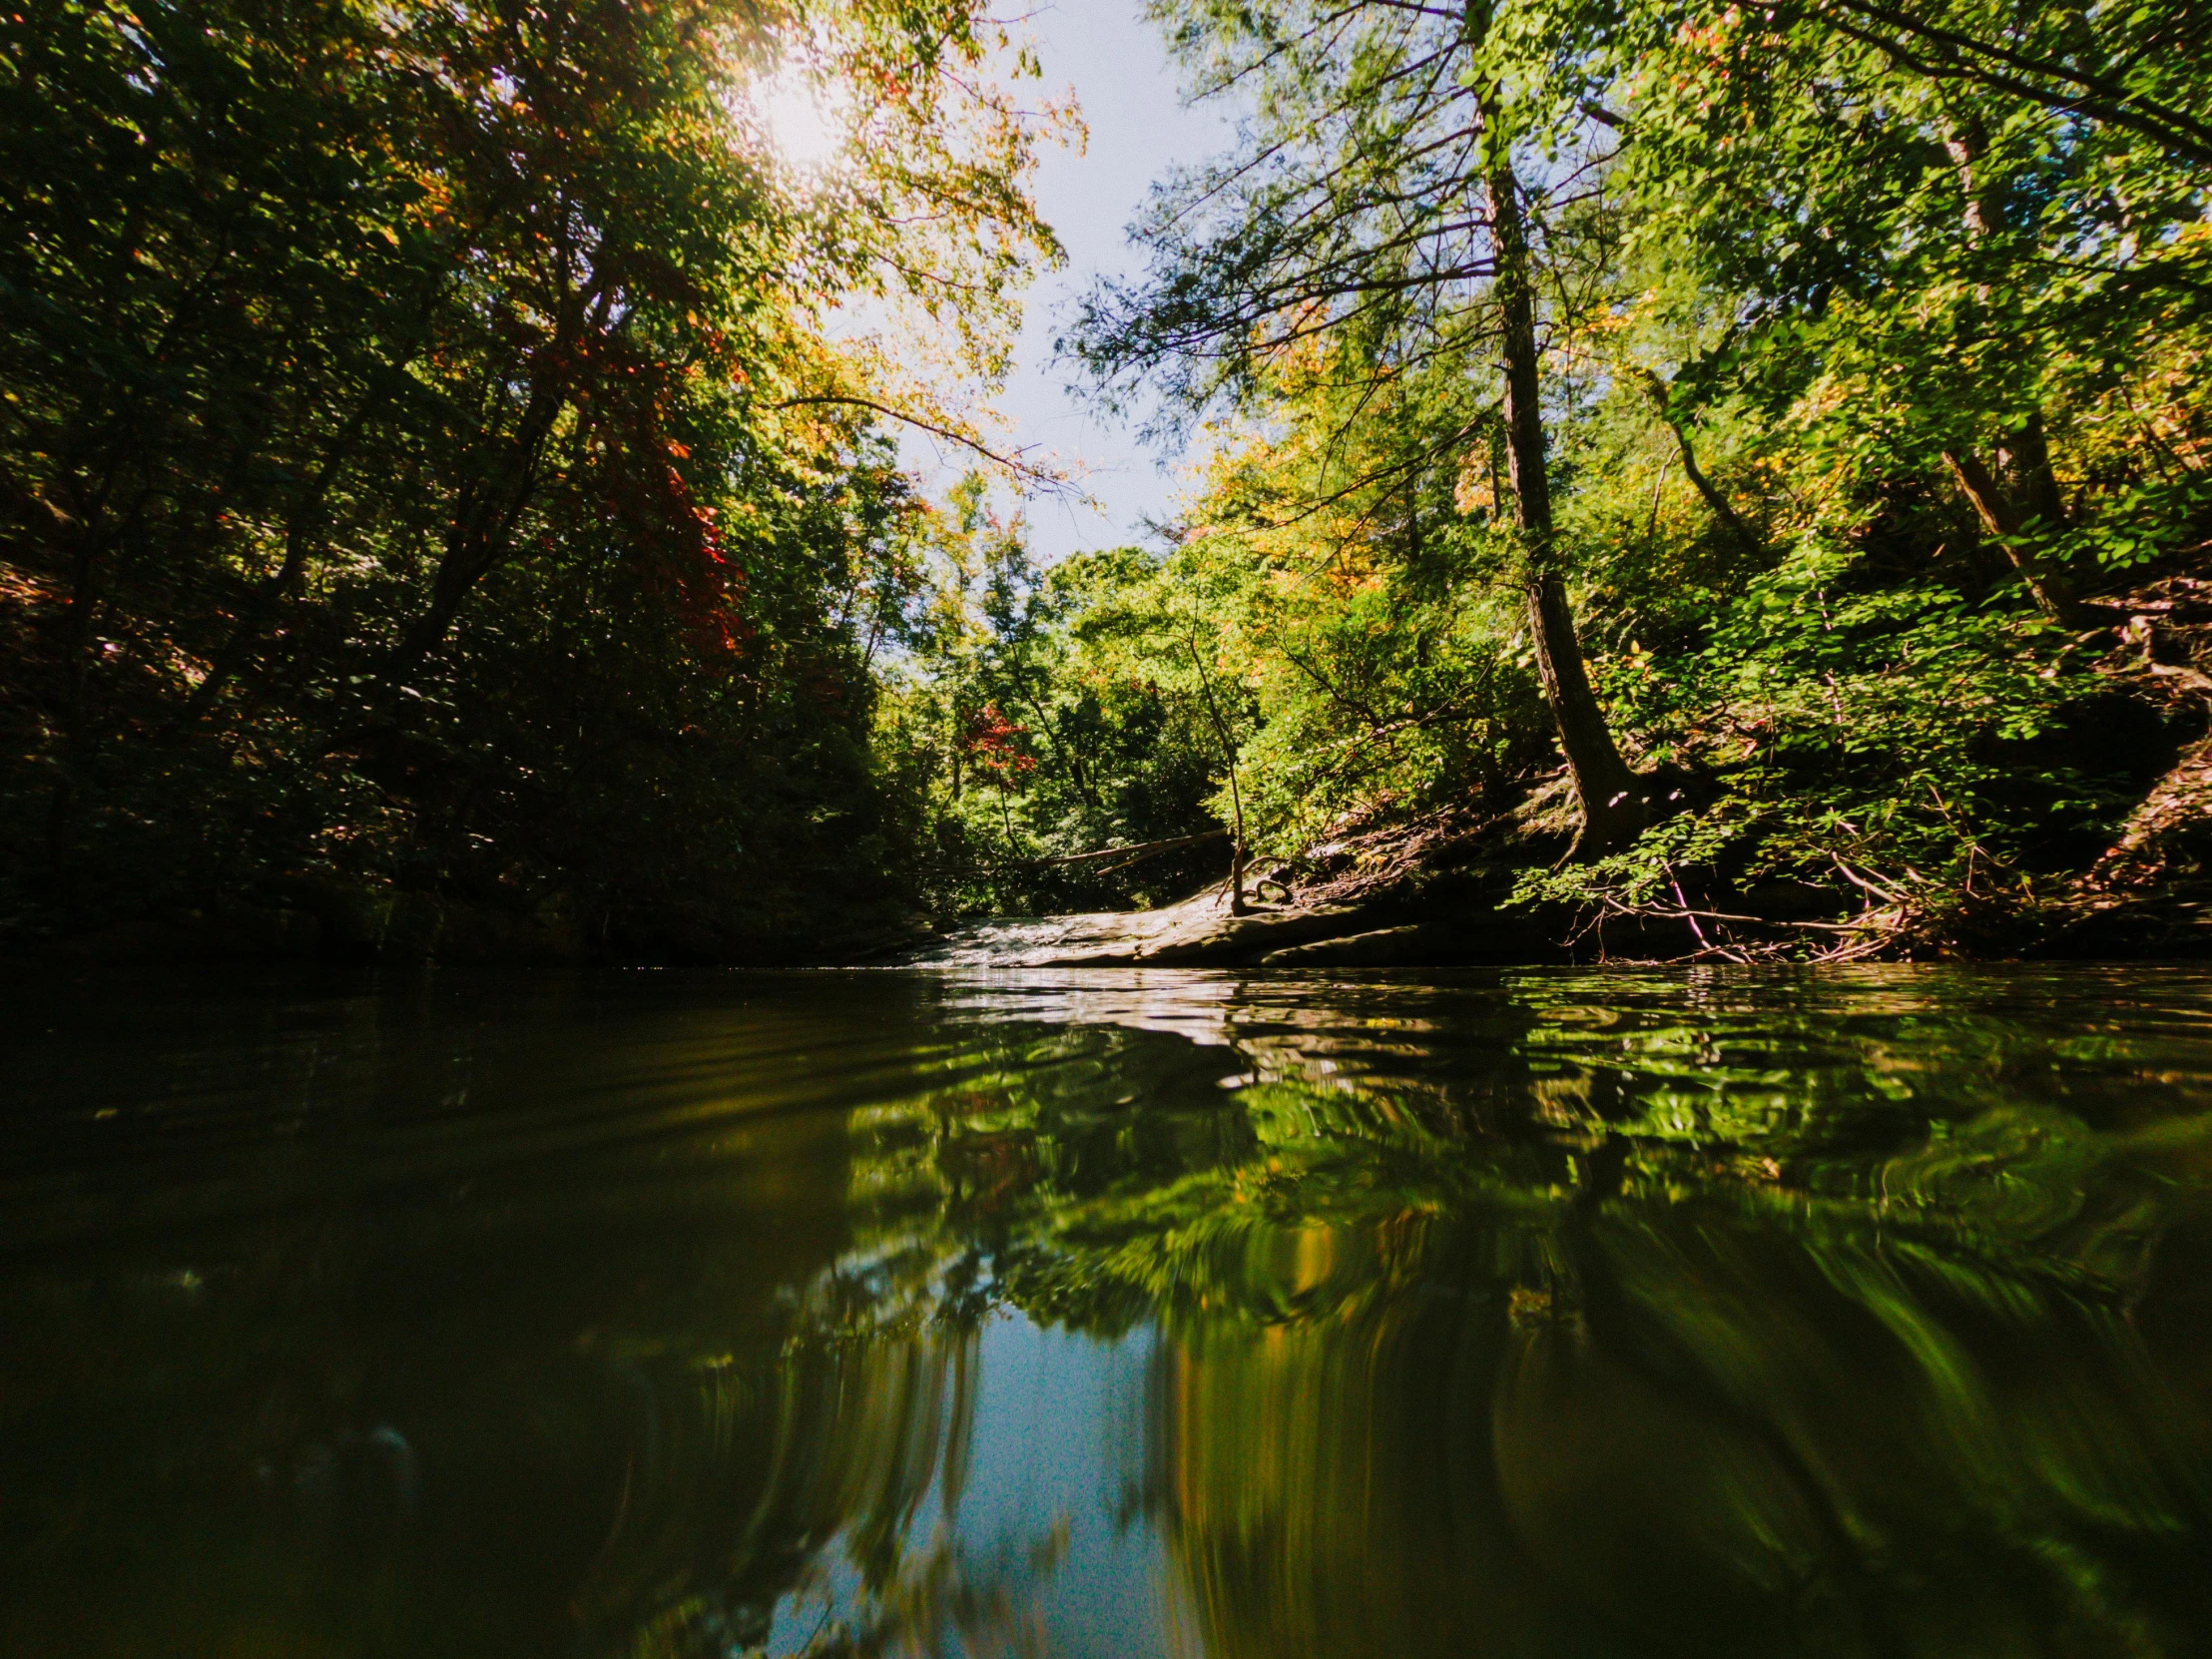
(804, 120)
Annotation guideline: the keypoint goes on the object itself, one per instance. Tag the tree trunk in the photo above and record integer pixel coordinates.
(484, 522)
(1723, 508)
(1236, 795)
(1613, 809)
(2003, 516)
(2023, 460)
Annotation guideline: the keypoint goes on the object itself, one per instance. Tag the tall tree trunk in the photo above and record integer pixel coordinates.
(2023, 460)
(1613, 808)
(484, 521)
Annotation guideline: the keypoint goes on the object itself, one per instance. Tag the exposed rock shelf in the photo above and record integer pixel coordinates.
(1198, 932)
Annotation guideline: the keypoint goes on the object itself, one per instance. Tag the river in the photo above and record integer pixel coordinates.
(1110, 1312)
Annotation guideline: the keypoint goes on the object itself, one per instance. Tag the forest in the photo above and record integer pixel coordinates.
(1676, 479)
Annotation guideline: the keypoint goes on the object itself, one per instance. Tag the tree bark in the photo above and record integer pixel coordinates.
(2003, 516)
(1723, 508)
(1613, 808)
(2024, 462)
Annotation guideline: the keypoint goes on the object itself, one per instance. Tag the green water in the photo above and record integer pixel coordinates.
(1110, 1313)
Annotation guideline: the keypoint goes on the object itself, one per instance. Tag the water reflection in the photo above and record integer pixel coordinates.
(1112, 1313)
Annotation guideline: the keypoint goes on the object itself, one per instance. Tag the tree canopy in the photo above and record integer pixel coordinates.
(424, 456)
(1794, 401)
(450, 481)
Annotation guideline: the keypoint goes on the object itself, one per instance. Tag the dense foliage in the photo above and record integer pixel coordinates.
(431, 496)
(1803, 376)
(1042, 718)
(440, 499)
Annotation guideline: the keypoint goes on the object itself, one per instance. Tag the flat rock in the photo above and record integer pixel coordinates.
(1199, 933)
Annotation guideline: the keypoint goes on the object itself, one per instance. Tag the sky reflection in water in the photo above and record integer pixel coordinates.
(1111, 1314)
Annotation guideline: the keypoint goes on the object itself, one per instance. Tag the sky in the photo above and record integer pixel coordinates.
(1137, 128)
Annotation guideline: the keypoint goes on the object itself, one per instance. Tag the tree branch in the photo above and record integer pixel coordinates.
(1031, 473)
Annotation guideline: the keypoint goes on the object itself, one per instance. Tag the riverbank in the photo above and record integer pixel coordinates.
(1437, 892)
(1423, 897)
(1448, 888)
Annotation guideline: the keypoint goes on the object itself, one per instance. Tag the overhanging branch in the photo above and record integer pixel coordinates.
(1014, 462)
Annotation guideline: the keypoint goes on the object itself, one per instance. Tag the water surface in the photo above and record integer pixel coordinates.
(1110, 1312)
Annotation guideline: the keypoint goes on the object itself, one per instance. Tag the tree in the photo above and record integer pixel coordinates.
(417, 425)
(1848, 383)
(1392, 201)
(1971, 230)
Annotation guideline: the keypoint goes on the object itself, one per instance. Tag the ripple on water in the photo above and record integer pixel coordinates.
(1111, 1312)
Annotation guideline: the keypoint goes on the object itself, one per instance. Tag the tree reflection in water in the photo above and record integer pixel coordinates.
(1553, 1315)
